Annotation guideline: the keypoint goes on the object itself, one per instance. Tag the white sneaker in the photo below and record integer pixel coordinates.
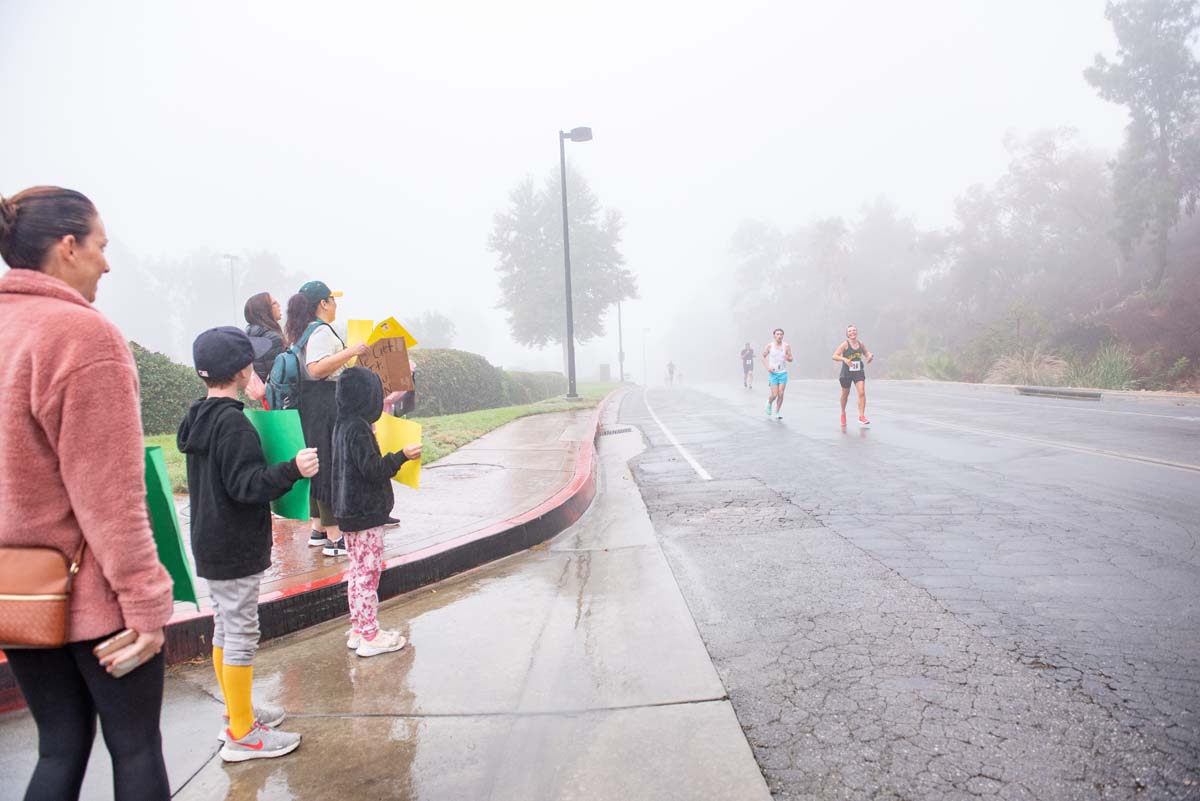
(266, 715)
(259, 743)
(384, 642)
(353, 638)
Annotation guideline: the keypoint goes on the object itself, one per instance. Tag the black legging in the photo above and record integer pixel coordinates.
(65, 688)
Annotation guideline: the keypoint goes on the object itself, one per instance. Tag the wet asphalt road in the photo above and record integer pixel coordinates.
(982, 594)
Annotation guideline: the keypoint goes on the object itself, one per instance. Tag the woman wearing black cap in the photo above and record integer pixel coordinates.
(324, 356)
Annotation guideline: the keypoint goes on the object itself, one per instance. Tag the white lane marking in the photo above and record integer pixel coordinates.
(1129, 457)
(700, 471)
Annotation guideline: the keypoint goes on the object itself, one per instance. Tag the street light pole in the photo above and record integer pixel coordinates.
(620, 346)
(230, 259)
(575, 135)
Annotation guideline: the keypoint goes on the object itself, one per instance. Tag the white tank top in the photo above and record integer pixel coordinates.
(777, 357)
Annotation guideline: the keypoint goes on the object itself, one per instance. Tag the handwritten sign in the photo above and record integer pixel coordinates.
(388, 359)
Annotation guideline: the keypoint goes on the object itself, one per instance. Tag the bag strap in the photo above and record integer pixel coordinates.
(301, 343)
(76, 563)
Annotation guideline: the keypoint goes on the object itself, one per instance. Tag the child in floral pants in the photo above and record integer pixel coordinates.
(362, 503)
(362, 586)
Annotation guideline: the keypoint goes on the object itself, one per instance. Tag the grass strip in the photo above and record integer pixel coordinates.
(176, 464)
(440, 435)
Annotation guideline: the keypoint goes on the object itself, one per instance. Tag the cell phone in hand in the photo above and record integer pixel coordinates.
(115, 643)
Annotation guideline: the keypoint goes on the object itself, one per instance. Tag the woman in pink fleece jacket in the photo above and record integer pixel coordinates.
(71, 468)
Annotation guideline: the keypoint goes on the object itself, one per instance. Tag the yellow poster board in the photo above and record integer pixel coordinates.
(390, 328)
(357, 331)
(393, 434)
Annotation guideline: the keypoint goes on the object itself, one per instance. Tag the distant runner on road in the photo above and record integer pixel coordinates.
(670, 372)
(854, 356)
(748, 366)
(775, 357)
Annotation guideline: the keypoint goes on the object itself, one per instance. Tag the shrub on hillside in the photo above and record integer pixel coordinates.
(1110, 368)
(1032, 366)
(941, 367)
(167, 390)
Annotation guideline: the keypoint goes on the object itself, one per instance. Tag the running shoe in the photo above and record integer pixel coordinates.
(843, 419)
(862, 421)
(384, 642)
(779, 415)
(353, 639)
(335, 548)
(270, 716)
(259, 743)
(317, 539)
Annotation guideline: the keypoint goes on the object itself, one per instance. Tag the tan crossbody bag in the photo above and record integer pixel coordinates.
(35, 596)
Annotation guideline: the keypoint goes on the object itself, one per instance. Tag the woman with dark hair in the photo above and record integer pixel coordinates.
(323, 357)
(262, 317)
(72, 469)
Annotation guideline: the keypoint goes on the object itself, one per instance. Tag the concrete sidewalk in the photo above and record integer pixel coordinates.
(570, 671)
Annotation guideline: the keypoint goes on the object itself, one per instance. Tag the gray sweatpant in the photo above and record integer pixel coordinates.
(235, 617)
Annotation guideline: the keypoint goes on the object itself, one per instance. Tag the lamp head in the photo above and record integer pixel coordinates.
(579, 135)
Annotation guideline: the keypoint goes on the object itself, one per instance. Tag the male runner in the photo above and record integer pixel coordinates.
(670, 372)
(748, 366)
(854, 356)
(775, 357)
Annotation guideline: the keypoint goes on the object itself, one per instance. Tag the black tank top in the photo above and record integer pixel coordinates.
(855, 355)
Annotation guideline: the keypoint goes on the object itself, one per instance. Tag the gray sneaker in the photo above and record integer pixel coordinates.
(266, 715)
(260, 743)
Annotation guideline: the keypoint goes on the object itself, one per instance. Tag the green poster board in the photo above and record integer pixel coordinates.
(282, 438)
(165, 522)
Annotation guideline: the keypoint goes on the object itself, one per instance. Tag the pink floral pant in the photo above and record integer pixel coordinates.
(362, 586)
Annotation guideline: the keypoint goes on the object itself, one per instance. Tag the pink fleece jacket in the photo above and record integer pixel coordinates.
(72, 459)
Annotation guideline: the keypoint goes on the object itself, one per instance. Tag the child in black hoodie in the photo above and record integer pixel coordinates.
(231, 486)
(362, 503)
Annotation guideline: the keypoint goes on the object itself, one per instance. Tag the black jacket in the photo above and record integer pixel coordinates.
(362, 485)
(262, 365)
(231, 487)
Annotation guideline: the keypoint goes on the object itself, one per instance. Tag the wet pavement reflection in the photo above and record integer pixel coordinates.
(573, 670)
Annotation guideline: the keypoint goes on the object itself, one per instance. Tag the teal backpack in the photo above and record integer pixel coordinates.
(283, 383)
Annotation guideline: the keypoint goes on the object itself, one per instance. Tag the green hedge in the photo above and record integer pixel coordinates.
(453, 381)
(168, 389)
(448, 382)
(539, 386)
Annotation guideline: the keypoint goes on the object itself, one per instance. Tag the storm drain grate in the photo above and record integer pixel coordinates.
(608, 431)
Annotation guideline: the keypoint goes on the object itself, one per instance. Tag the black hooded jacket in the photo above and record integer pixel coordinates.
(362, 485)
(263, 364)
(231, 488)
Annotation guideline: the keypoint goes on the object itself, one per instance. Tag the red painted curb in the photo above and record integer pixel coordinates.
(538, 524)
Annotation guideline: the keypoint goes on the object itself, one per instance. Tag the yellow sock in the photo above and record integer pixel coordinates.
(219, 668)
(238, 679)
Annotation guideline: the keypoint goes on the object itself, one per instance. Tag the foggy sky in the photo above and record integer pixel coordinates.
(369, 144)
